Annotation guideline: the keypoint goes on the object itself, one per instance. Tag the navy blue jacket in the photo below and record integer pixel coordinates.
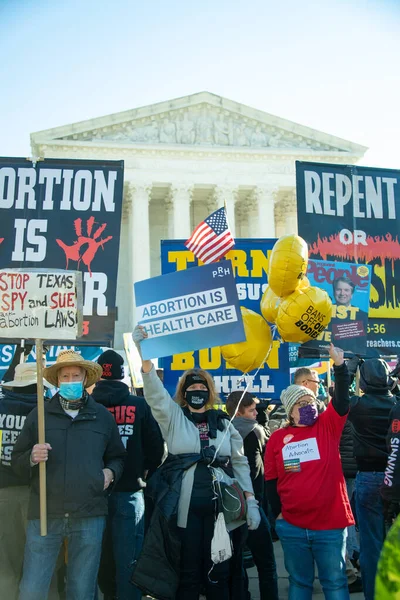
(14, 408)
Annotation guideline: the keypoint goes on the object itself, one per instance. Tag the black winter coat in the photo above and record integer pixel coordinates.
(346, 449)
(369, 415)
(81, 449)
(162, 545)
(138, 429)
(391, 483)
(14, 408)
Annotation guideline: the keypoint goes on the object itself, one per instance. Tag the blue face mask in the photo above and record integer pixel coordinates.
(71, 390)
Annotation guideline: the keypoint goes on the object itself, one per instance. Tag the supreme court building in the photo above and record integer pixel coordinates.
(184, 158)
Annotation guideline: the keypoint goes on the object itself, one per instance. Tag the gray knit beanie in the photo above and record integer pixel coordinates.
(292, 394)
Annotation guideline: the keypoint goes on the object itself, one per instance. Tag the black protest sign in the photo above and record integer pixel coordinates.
(351, 213)
(66, 214)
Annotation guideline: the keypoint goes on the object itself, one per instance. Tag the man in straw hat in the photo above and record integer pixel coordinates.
(84, 456)
(18, 400)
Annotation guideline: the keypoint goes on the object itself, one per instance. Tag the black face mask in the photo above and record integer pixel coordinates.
(197, 398)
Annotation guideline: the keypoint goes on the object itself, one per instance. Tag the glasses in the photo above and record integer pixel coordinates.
(303, 403)
(314, 381)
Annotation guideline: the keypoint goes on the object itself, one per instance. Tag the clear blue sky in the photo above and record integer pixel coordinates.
(329, 64)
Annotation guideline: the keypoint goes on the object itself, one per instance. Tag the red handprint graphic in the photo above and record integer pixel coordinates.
(75, 251)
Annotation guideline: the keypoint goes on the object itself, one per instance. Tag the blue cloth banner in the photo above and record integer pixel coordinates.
(7, 352)
(249, 259)
(189, 310)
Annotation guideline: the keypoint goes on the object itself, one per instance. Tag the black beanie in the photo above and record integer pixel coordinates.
(111, 362)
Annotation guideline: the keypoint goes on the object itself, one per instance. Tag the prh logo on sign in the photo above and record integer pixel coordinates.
(189, 310)
(351, 214)
(66, 214)
(249, 260)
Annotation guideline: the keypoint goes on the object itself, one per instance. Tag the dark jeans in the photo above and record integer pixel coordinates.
(371, 525)
(122, 545)
(196, 565)
(84, 548)
(13, 520)
(260, 543)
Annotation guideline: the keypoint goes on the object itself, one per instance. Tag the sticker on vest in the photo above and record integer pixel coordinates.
(292, 466)
(304, 451)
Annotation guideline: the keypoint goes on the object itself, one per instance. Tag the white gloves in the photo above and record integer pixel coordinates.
(138, 335)
(253, 514)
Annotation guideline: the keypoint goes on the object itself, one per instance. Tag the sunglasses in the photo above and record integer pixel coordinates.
(314, 380)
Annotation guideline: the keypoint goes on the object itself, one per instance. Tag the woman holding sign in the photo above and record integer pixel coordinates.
(306, 488)
(203, 448)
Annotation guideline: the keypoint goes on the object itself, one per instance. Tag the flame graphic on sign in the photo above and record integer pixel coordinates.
(382, 247)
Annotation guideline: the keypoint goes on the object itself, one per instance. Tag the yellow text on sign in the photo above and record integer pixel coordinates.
(252, 264)
(210, 359)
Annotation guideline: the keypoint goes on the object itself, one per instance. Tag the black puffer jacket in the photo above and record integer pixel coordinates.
(14, 408)
(81, 448)
(346, 449)
(369, 415)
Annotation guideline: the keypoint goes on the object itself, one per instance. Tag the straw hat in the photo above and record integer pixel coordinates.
(24, 375)
(69, 358)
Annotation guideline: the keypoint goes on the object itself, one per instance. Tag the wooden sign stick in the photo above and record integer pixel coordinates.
(41, 436)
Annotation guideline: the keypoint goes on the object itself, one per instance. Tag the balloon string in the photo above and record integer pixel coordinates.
(265, 359)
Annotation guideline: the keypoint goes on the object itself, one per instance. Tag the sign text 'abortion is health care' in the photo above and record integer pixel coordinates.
(189, 310)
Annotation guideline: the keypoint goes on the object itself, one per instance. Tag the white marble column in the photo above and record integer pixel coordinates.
(286, 214)
(140, 230)
(265, 197)
(228, 195)
(125, 297)
(180, 198)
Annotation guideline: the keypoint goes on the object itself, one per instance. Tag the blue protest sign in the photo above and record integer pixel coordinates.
(249, 259)
(348, 285)
(189, 310)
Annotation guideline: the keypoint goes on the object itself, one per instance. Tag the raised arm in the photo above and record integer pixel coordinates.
(340, 400)
(162, 406)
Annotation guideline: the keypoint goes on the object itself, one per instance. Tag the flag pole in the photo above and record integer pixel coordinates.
(226, 215)
(41, 435)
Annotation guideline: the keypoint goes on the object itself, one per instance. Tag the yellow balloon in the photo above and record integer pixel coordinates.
(304, 283)
(287, 264)
(304, 314)
(249, 355)
(269, 305)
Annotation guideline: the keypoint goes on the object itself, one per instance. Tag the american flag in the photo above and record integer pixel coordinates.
(212, 239)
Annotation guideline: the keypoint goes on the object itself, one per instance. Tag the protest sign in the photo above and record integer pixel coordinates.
(249, 259)
(66, 214)
(189, 310)
(348, 285)
(40, 304)
(351, 213)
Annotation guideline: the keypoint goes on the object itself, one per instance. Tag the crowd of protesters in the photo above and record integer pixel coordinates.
(159, 496)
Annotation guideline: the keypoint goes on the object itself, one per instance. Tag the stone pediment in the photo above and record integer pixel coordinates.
(199, 120)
